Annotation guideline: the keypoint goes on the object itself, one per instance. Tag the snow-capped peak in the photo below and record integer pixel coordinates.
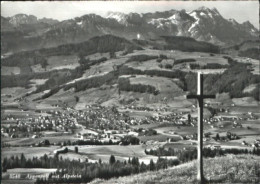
(119, 16)
(204, 11)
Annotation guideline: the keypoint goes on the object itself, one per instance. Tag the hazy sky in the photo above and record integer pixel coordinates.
(239, 10)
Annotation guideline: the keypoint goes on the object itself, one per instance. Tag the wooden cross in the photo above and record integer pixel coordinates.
(200, 98)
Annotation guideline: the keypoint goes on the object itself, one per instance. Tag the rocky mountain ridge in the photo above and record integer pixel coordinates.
(202, 24)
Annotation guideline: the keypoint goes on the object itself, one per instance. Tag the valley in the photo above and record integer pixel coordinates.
(140, 92)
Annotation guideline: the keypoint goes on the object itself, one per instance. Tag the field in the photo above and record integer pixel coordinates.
(249, 139)
(147, 65)
(101, 69)
(19, 113)
(29, 152)
(180, 145)
(29, 141)
(90, 96)
(36, 82)
(94, 153)
(250, 88)
(97, 56)
(201, 59)
(174, 54)
(13, 93)
(254, 63)
(6, 70)
(246, 101)
(162, 84)
(58, 63)
(48, 105)
(204, 60)
(236, 110)
(179, 130)
(61, 62)
(159, 137)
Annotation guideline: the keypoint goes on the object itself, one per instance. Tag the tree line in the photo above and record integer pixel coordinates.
(142, 57)
(126, 140)
(102, 44)
(188, 44)
(87, 171)
(125, 85)
(208, 66)
(179, 61)
(178, 74)
(191, 154)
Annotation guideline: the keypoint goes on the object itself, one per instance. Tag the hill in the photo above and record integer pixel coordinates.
(96, 67)
(248, 48)
(228, 169)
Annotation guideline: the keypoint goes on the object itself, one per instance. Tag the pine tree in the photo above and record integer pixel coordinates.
(76, 149)
(23, 161)
(112, 159)
(217, 137)
(100, 161)
(151, 166)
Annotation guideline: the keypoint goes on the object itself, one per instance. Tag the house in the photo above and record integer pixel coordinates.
(213, 147)
(133, 133)
(255, 145)
(35, 136)
(244, 143)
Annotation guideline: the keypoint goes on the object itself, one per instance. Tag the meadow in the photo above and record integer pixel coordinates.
(29, 141)
(8, 70)
(57, 63)
(29, 152)
(90, 152)
(226, 169)
(172, 55)
(15, 92)
(162, 84)
(103, 152)
(61, 62)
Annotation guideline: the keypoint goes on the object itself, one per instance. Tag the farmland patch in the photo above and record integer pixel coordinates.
(7, 70)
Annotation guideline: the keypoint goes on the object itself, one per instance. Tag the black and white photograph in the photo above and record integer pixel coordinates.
(130, 92)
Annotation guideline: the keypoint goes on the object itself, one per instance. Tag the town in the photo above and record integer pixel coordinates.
(108, 124)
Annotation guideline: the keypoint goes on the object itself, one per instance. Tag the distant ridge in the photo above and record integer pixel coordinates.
(26, 32)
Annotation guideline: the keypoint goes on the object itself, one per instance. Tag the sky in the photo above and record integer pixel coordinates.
(239, 10)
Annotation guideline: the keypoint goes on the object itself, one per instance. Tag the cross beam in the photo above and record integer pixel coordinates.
(200, 96)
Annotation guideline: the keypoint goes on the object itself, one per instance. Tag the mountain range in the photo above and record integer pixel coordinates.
(27, 32)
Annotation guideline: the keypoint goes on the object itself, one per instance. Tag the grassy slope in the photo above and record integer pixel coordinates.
(228, 169)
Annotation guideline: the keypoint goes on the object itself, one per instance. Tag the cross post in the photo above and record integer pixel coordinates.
(200, 96)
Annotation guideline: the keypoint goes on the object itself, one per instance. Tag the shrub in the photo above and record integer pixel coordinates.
(168, 66)
(162, 56)
(159, 60)
(179, 61)
(141, 58)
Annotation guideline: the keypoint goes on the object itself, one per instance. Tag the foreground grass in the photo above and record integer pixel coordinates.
(228, 169)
